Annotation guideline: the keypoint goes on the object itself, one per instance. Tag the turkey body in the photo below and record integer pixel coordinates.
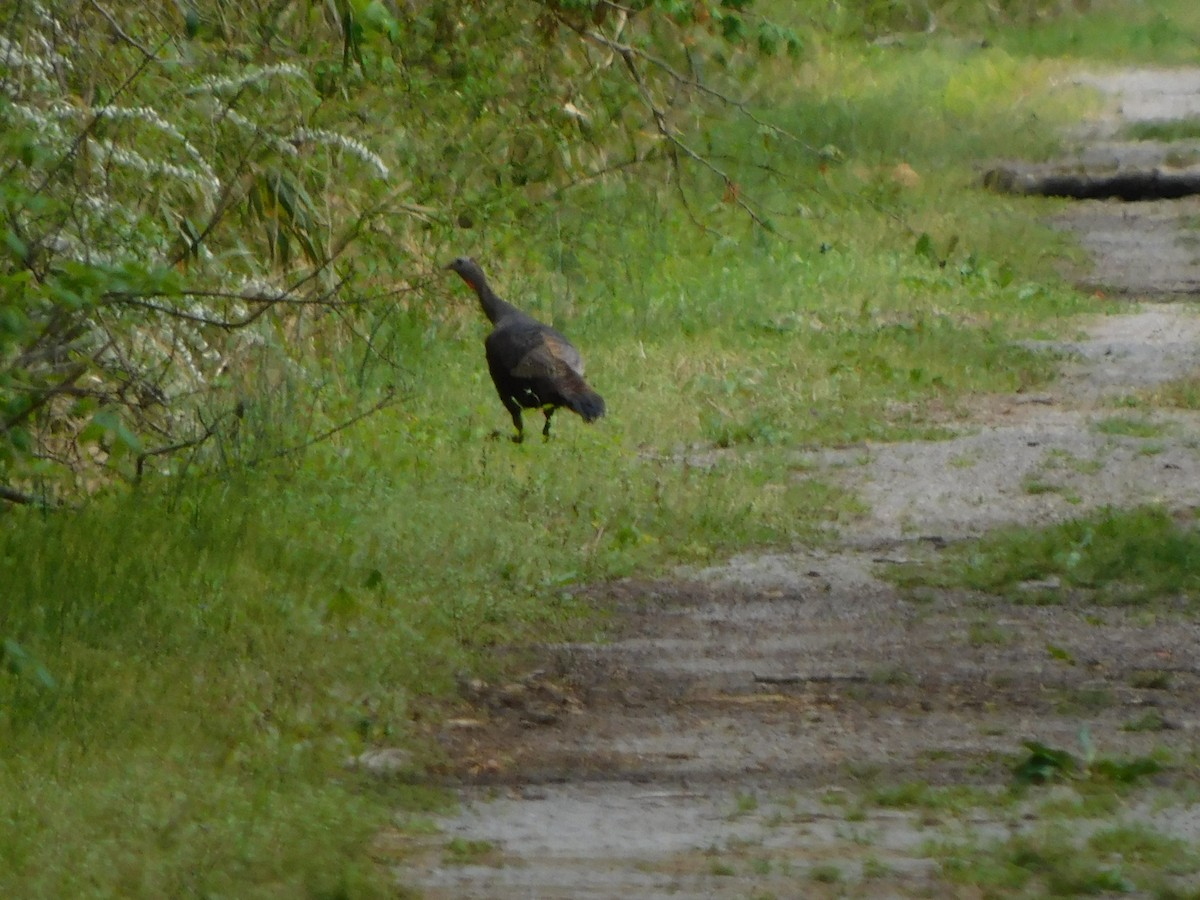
(532, 365)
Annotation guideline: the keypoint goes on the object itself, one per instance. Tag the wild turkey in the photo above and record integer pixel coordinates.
(533, 366)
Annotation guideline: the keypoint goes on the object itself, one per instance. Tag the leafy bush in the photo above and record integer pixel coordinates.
(195, 226)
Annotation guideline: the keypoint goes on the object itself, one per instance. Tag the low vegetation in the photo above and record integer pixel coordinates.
(1119, 859)
(1137, 556)
(255, 519)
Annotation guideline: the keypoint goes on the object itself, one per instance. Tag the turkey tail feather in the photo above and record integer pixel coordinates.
(588, 404)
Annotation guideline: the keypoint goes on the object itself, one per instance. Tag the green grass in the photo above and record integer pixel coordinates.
(1120, 556)
(1162, 32)
(954, 799)
(1114, 32)
(463, 852)
(1052, 862)
(1181, 393)
(188, 666)
(825, 873)
(1130, 427)
(1174, 130)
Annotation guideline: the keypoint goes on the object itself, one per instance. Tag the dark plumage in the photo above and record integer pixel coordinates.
(533, 366)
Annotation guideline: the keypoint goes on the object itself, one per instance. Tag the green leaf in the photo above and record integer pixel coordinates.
(1044, 764)
(924, 247)
(107, 424)
(1126, 771)
(733, 28)
(21, 439)
(191, 23)
(16, 246)
(125, 439)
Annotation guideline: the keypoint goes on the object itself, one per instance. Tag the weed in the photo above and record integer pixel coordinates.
(1173, 130)
(1130, 427)
(1067, 460)
(1082, 801)
(1035, 486)
(1150, 680)
(463, 852)
(1049, 860)
(745, 804)
(913, 793)
(1044, 764)
(825, 873)
(1181, 393)
(984, 633)
(1127, 557)
(1122, 772)
(1083, 700)
(875, 868)
(1152, 720)
(891, 675)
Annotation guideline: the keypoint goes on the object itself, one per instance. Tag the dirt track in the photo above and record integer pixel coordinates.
(723, 744)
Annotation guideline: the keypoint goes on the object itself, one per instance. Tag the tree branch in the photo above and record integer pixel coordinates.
(330, 432)
(15, 496)
(623, 50)
(629, 56)
(120, 32)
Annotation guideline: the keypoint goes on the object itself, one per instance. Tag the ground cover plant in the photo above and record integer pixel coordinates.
(188, 662)
(1139, 556)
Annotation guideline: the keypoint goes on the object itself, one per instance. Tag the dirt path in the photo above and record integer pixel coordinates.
(781, 725)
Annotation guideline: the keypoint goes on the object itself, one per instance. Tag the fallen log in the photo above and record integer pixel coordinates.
(1122, 184)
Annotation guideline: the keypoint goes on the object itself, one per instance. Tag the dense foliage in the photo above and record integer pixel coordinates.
(201, 206)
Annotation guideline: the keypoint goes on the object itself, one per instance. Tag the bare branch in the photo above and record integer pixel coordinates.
(629, 55)
(625, 50)
(386, 401)
(597, 174)
(14, 496)
(120, 32)
(209, 431)
(44, 396)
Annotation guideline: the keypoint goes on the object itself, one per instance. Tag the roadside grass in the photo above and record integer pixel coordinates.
(1137, 556)
(1162, 33)
(1122, 858)
(1180, 393)
(1174, 130)
(1128, 426)
(1113, 33)
(188, 666)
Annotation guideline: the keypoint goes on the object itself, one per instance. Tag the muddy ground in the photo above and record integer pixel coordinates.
(751, 728)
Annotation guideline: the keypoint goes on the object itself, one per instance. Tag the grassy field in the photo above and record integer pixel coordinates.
(188, 665)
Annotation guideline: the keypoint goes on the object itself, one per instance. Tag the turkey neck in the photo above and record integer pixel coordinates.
(493, 307)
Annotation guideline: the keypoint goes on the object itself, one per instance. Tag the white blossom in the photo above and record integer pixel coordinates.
(349, 144)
